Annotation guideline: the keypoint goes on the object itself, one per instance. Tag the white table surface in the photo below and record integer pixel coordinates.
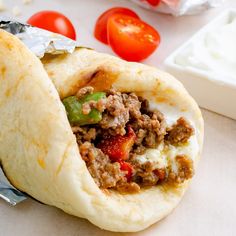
(209, 206)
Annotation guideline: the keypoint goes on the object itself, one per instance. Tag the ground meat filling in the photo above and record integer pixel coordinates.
(185, 170)
(116, 114)
(147, 175)
(180, 132)
(125, 116)
(150, 129)
(83, 91)
(105, 173)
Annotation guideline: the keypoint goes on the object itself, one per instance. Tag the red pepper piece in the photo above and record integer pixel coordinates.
(125, 166)
(118, 147)
(160, 173)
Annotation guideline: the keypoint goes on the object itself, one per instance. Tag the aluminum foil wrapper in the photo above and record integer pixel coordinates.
(180, 7)
(39, 42)
(8, 192)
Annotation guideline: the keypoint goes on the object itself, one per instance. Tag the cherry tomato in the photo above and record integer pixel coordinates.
(53, 21)
(127, 167)
(153, 2)
(131, 38)
(100, 31)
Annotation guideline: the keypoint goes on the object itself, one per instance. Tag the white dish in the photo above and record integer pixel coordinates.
(216, 92)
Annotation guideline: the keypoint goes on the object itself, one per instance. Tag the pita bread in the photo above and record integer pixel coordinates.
(38, 150)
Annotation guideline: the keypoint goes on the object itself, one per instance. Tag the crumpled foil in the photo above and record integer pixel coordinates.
(39, 42)
(180, 7)
(8, 192)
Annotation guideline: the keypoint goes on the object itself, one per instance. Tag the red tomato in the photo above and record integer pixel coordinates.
(100, 31)
(53, 21)
(153, 2)
(126, 167)
(131, 38)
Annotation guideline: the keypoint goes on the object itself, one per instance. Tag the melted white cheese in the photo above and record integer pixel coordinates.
(162, 158)
(154, 156)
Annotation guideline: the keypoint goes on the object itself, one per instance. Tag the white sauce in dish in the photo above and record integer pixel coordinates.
(213, 51)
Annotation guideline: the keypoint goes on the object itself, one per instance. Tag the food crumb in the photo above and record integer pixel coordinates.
(27, 1)
(2, 6)
(16, 11)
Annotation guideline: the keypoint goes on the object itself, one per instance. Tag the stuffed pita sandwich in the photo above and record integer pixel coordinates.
(98, 137)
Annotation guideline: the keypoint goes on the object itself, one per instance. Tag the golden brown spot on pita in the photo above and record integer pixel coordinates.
(13, 89)
(164, 100)
(102, 80)
(80, 80)
(163, 95)
(40, 145)
(64, 156)
(50, 74)
(10, 45)
(184, 109)
(161, 99)
(41, 162)
(3, 71)
(169, 91)
(8, 92)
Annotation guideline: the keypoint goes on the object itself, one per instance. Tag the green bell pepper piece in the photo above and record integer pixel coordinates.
(73, 106)
(93, 97)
